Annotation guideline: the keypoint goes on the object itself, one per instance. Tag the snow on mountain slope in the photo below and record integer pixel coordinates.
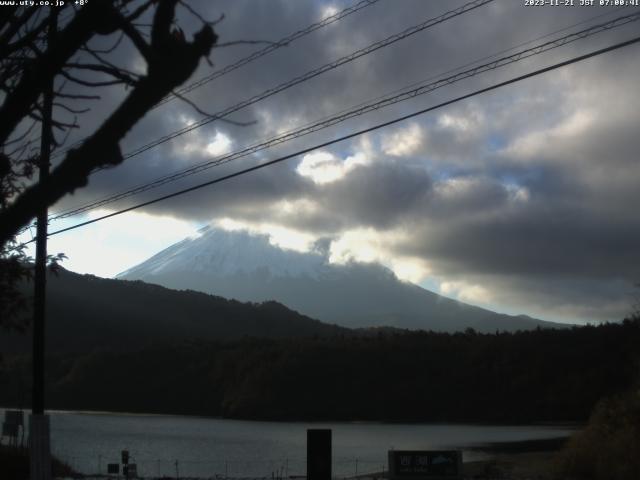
(248, 268)
(222, 253)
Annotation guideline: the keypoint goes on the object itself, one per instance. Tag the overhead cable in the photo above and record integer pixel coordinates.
(351, 135)
(358, 111)
(273, 46)
(283, 42)
(309, 75)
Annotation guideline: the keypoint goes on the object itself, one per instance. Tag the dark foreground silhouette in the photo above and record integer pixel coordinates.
(14, 464)
(543, 375)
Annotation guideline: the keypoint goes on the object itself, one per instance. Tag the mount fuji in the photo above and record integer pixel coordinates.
(249, 268)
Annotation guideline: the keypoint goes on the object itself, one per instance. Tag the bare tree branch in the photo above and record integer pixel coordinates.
(210, 115)
(110, 49)
(244, 42)
(14, 27)
(77, 96)
(118, 73)
(139, 11)
(69, 109)
(171, 61)
(21, 137)
(89, 83)
(78, 31)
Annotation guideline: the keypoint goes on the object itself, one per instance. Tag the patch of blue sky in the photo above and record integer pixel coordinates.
(496, 142)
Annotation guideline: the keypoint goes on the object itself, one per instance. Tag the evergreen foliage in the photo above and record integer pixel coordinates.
(542, 375)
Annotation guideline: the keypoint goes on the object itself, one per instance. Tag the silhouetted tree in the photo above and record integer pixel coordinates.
(546, 375)
(635, 310)
(28, 63)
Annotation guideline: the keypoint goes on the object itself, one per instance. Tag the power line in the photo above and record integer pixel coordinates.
(313, 73)
(487, 57)
(309, 75)
(354, 134)
(197, 169)
(358, 111)
(283, 42)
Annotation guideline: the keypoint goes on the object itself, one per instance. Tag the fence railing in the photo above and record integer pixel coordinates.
(224, 469)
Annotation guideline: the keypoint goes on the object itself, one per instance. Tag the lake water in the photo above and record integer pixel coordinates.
(208, 447)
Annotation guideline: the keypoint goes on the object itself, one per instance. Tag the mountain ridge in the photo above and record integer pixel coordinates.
(354, 295)
(85, 312)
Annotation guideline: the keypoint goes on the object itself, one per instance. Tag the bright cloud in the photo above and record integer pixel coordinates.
(200, 145)
(574, 126)
(329, 11)
(456, 187)
(220, 145)
(466, 292)
(520, 197)
(404, 142)
(456, 122)
(369, 245)
(324, 167)
(293, 207)
(285, 238)
(109, 247)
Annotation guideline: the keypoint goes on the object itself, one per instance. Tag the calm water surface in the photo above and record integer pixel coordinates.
(207, 447)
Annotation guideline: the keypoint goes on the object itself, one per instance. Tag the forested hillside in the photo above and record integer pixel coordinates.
(543, 375)
(86, 313)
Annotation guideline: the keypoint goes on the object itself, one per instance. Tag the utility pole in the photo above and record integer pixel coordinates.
(39, 432)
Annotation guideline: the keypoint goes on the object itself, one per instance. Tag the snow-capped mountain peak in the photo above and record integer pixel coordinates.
(247, 267)
(228, 253)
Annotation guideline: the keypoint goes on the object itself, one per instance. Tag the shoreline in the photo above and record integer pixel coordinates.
(571, 424)
(521, 446)
(516, 460)
(513, 460)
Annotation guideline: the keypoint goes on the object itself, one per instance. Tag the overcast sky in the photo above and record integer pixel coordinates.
(522, 200)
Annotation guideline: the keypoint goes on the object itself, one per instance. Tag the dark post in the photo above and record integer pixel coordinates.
(40, 278)
(125, 463)
(319, 454)
(40, 465)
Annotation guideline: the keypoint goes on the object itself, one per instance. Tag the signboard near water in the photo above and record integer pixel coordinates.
(425, 464)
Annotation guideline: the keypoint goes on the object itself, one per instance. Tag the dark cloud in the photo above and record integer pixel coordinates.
(378, 195)
(535, 241)
(529, 192)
